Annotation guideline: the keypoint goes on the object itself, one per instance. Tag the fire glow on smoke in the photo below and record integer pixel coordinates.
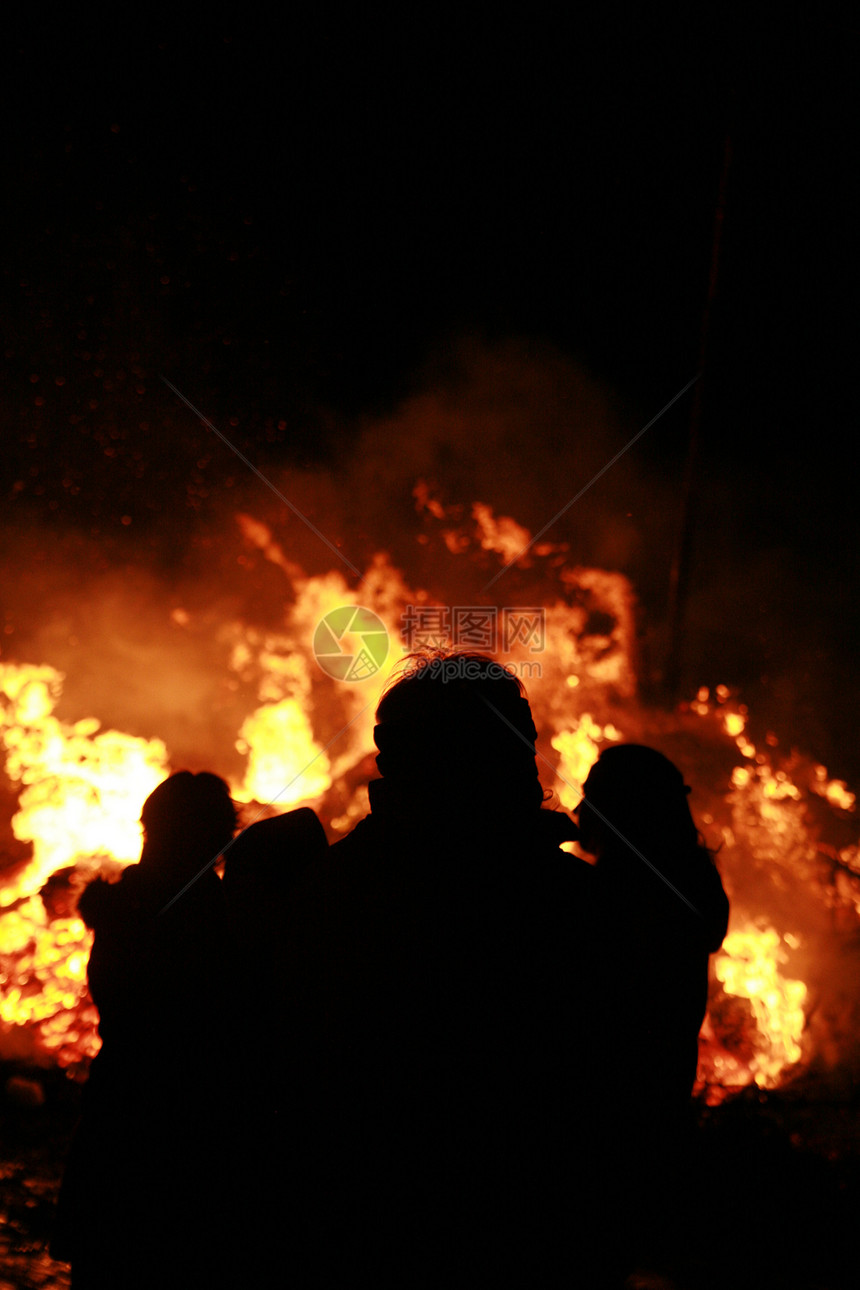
(78, 791)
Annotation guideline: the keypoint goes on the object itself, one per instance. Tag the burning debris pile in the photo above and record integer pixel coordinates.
(783, 998)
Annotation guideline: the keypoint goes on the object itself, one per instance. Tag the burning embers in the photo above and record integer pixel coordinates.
(785, 832)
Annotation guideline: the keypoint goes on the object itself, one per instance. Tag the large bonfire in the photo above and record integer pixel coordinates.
(781, 1002)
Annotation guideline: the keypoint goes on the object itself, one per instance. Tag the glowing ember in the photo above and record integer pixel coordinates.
(835, 790)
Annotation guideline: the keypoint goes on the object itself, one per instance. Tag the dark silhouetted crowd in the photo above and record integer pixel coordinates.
(442, 1052)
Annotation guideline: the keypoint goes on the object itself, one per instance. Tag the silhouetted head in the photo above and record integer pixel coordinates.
(637, 793)
(455, 731)
(187, 821)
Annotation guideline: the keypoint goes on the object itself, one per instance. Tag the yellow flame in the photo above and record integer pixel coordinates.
(80, 799)
(285, 764)
(82, 790)
(579, 749)
(748, 966)
(43, 973)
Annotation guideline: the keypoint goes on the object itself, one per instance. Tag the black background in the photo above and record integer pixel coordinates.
(299, 220)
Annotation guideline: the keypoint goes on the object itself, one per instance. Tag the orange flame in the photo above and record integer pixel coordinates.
(81, 788)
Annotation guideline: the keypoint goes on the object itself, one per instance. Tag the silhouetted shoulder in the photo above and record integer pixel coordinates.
(275, 852)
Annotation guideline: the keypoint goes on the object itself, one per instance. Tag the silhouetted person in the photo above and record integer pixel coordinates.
(436, 998)
(263, 868)
(146, 1197)
(662, 910)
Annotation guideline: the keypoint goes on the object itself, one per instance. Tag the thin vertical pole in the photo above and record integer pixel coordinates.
(679, 576)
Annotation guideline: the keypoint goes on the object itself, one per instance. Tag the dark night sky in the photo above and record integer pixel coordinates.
(296, 220)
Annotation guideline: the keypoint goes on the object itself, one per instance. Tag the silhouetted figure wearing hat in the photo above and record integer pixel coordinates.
(437, 994)
(146, 1196)
(662, 909)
